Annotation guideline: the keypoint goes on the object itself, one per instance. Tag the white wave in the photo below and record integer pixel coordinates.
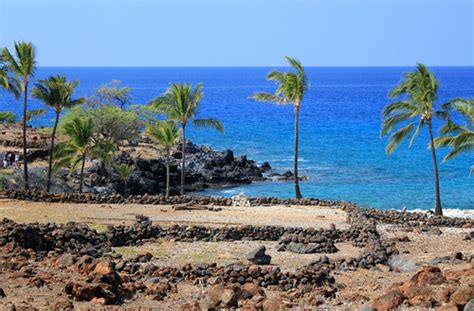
(229, 191)
(450, 212)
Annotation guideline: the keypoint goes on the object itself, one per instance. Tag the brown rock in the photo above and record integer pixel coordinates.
(63, 304)
(274, 304)
(428, 276)
(462, 295)
(90, 291)
(251, 289)
(229, 298)
(212, 298)
(389, 300)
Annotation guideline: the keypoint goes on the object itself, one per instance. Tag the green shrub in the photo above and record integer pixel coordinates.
(7, 117)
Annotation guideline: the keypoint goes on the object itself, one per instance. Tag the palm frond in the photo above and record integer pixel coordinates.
(270, 98)
(398, 136)
(210, 123)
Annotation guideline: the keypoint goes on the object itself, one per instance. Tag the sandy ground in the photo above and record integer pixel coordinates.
(102, 214)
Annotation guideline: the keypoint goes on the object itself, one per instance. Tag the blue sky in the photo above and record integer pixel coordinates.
(242, 32)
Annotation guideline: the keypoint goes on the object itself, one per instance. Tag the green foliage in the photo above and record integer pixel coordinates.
(459, 137)
(7, 81)
(292, 86)
(23, 63)
(180, 103)
(113, 94)
(419, 89)
(124, 171)
(31, 114)
(56, 92)
(4, 176)
(81, 144)
(163, 133)
(110, 122)
(7, 117)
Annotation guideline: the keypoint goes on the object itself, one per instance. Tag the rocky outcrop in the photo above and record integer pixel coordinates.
(430, 288)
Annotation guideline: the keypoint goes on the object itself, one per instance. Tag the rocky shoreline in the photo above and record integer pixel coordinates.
(205, 168)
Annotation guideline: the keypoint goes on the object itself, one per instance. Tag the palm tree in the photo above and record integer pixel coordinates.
(82, 144)
(165, 134)
(23, 65)
(8, 82)
(56, 92)
(419, 89)
(459, 137)
(180, 103)
(291, 89)
(125, 171)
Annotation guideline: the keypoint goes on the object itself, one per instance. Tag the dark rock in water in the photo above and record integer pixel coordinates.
(2, 293)
(259, 257)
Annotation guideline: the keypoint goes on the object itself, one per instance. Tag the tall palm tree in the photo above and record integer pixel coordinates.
(460, 137)
(82, 144)
(23, 65)
(291, 89)
(56, 92)
(166, 134)
(180, 103)
(419, 90)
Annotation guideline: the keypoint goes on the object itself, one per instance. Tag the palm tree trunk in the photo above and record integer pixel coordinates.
(183, 157)
(51, 149)
(82, 173)
(295, 175)
(438, 209)
(125, 188)
(25, 162)
(167, 172)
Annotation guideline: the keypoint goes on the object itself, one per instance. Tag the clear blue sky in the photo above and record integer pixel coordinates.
(242, 32)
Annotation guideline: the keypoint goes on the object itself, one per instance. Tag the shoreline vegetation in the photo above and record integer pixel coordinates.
(98, 125)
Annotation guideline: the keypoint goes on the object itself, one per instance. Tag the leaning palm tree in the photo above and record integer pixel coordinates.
(291, 89)
(460, 137)
(419, 89)
(81, 145)
(23, 65)
(165, 134)
(56, 92)
(180, 103)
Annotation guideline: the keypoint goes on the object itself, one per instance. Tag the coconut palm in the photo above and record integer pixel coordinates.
(125, 170)
(23, 65)
(180, 103)
(291, 89)
(460, 137)
(166, 134)
(81, 145)
(56, 92)
(419, 90)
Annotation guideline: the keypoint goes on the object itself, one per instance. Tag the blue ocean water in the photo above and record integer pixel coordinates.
(340, 147)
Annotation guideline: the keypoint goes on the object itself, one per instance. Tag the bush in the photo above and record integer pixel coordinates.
(7, 117)
(109, 121)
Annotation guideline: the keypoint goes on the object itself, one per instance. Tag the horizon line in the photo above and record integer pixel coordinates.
(236, 66)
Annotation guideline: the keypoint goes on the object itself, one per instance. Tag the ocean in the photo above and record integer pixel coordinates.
(341, 150)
